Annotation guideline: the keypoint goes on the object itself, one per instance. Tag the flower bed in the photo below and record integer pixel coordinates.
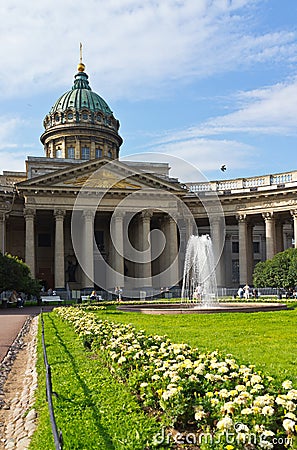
(222, 403)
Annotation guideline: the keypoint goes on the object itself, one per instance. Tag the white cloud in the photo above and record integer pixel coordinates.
(192, 159)
(132, 47)
(8, 125)
(270, 110)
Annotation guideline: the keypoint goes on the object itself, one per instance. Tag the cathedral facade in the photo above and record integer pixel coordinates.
(82, 218)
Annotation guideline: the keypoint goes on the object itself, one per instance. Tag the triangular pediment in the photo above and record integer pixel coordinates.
(99, 175)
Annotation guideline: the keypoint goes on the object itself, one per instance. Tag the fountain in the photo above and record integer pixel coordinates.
(199, 279)
(199, 287)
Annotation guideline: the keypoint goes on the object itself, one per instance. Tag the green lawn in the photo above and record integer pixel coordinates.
(268, 340)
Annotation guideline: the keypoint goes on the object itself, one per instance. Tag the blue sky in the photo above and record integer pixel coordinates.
(210, 81)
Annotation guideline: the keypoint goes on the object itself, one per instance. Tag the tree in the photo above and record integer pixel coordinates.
(15, 274)
(280, 271)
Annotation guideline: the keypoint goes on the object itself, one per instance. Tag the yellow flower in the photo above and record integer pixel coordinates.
(229, 447)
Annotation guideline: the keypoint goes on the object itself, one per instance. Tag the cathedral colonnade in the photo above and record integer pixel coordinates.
(248, 239)
(49, 249)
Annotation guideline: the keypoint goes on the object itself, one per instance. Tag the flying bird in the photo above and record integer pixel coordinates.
(223, 168)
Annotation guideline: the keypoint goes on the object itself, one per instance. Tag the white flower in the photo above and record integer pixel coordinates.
(246, 411)
(287, 384)
(292, 416)
(199, 414)
(267, 433)
(267, 411)
(225, 424)
(228, 407)
(255, 379)
(155, 377)
(291, 406)
(289, 425)
(199, 369)
(265, 444)
(223, 393)
(209, 376)
(292, 394)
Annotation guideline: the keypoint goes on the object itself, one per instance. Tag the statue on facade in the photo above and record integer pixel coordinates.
(71, 269)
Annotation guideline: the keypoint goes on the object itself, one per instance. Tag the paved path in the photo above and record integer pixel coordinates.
(11, 322)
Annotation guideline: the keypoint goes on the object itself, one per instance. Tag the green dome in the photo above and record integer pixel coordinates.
(81, 97)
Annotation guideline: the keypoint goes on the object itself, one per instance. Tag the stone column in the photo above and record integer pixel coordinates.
(243, 248)
(59, 249)
(77, 148)
(64, 148)
(250, 253)
(118, 248)
(92, 150)
(270, 234)
(294, 215)
(88, 251)
(228, 256)
(29, 215)
(145, 268)
(2, 233)
(279, 236)
(172, 254)
(217, 242)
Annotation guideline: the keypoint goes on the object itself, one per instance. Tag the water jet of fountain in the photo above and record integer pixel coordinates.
(199, 279)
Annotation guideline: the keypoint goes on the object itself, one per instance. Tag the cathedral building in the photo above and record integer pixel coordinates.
(82, 218)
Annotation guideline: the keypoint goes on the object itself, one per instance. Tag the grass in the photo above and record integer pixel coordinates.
(93, 410)
(266, 339)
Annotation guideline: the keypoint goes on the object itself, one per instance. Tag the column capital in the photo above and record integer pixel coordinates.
(29, 213)
(241, 218)
(89, 214)
(293, 212)
(119, 215)
(146, 215)
(59, 213)
(268, 215)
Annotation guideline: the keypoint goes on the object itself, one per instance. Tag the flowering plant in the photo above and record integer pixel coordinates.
(206, 392)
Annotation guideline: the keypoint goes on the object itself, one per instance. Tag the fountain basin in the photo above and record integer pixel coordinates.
(188, 308)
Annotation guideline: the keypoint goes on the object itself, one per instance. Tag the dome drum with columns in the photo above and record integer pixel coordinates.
(81, 125)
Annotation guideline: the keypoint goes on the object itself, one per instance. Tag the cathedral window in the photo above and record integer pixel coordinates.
(70, 152)
(85, 153)
(98, 153)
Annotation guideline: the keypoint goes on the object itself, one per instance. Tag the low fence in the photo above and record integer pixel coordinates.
(58, 438)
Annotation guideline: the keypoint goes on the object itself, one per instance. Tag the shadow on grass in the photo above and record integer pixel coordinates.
(87, 393)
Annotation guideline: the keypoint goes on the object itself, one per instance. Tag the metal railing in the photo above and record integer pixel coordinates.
(58, 438)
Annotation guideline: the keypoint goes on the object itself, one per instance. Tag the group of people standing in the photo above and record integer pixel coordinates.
(246, 292)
